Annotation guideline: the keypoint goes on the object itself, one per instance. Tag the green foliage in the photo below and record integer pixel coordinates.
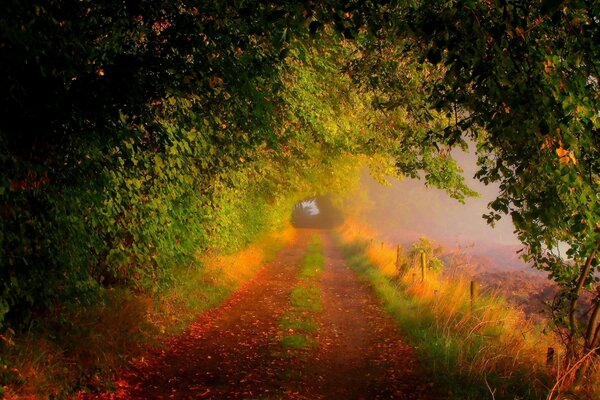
(135, 137)
(523, 75)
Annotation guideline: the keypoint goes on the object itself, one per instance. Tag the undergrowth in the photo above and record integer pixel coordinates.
(487, 350)
(82, 348)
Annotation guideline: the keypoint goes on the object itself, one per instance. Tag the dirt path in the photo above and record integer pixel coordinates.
(361, 354)
(234, 352)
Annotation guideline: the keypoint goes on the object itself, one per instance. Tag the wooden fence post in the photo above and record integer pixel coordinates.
(550, 356)
(398, 266)
(423, 265)
(474, 289)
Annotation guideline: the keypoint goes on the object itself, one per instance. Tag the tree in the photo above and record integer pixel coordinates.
(521, 79)
(115, 112)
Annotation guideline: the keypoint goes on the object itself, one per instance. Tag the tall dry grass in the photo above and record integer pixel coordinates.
(484, 349)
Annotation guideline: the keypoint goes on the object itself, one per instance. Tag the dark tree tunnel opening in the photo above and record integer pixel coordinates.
(317, 212)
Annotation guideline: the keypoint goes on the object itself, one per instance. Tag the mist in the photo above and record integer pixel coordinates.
(405, 210)
(408, 209)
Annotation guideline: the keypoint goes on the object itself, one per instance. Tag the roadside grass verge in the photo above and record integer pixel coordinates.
(82, 349)
(299, 324)
(488, 350)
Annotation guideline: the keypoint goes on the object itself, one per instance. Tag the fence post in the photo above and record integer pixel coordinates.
(550, 356)
(473, 293)
(423, 265)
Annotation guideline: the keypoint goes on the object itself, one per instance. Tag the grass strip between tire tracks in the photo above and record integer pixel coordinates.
(299, 323)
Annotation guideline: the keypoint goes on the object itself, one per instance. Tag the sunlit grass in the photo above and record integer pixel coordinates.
(196, 290)
(473, 351)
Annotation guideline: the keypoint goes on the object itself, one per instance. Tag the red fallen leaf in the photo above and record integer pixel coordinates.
(121, 383)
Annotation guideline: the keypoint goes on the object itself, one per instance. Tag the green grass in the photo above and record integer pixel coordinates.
(307, 298)
(297, 342)
(299, 324)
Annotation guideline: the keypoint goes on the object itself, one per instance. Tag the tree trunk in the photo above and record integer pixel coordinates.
(593, 326)
(580, 282)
